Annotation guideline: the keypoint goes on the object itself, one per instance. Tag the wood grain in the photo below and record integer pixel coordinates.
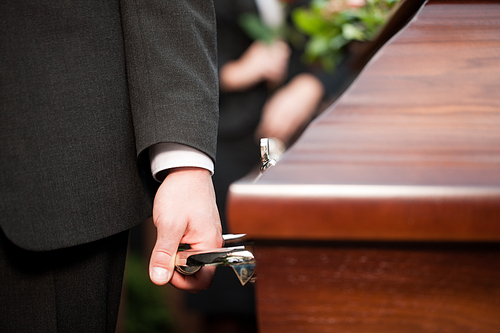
(385, 215)
(397, 288)
(424, 114)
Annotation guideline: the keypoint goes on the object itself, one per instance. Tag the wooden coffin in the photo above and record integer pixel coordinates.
(385, 214)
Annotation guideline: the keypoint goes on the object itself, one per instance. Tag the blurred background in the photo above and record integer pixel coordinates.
(281, 63)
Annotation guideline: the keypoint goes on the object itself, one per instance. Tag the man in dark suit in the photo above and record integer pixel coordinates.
(96, 97)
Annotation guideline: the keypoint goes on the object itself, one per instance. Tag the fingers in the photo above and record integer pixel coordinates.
(260, 62)
(271, 61)
(163, 271)
(194, 283)
(278, 54)
(184, 212)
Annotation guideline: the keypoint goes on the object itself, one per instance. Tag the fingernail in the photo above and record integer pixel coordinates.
(160, 275)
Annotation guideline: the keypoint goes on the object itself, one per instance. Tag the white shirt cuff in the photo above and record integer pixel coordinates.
(163, 156)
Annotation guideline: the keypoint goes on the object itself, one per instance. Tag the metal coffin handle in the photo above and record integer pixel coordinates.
(241, 260)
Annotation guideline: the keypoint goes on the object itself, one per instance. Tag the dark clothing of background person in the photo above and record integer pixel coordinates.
(85, 89)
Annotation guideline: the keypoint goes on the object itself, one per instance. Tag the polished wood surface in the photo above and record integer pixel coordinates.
(388, 288)
(410, 152)
(379, 289)
(385, 215)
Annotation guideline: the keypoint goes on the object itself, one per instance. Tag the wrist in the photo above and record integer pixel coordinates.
(189, 171)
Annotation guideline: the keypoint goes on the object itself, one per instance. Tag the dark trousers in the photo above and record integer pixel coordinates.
(68, 290)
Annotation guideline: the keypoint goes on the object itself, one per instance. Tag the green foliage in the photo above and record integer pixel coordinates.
(146, 309)
(324, 27)
(256, 29)
(330, 25)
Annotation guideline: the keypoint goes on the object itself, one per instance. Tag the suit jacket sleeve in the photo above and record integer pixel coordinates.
(170, 50)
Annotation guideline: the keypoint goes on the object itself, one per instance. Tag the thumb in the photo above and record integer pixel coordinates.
(161, 265)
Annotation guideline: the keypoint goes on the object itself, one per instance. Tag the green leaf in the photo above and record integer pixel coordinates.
(329, 32)
(347, 16)
(255, 28)
(309, 22)
(352, 32)
(318, 45)
(318, 5)
(337, 43)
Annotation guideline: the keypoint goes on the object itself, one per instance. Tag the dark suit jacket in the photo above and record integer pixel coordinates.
(85, 88)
